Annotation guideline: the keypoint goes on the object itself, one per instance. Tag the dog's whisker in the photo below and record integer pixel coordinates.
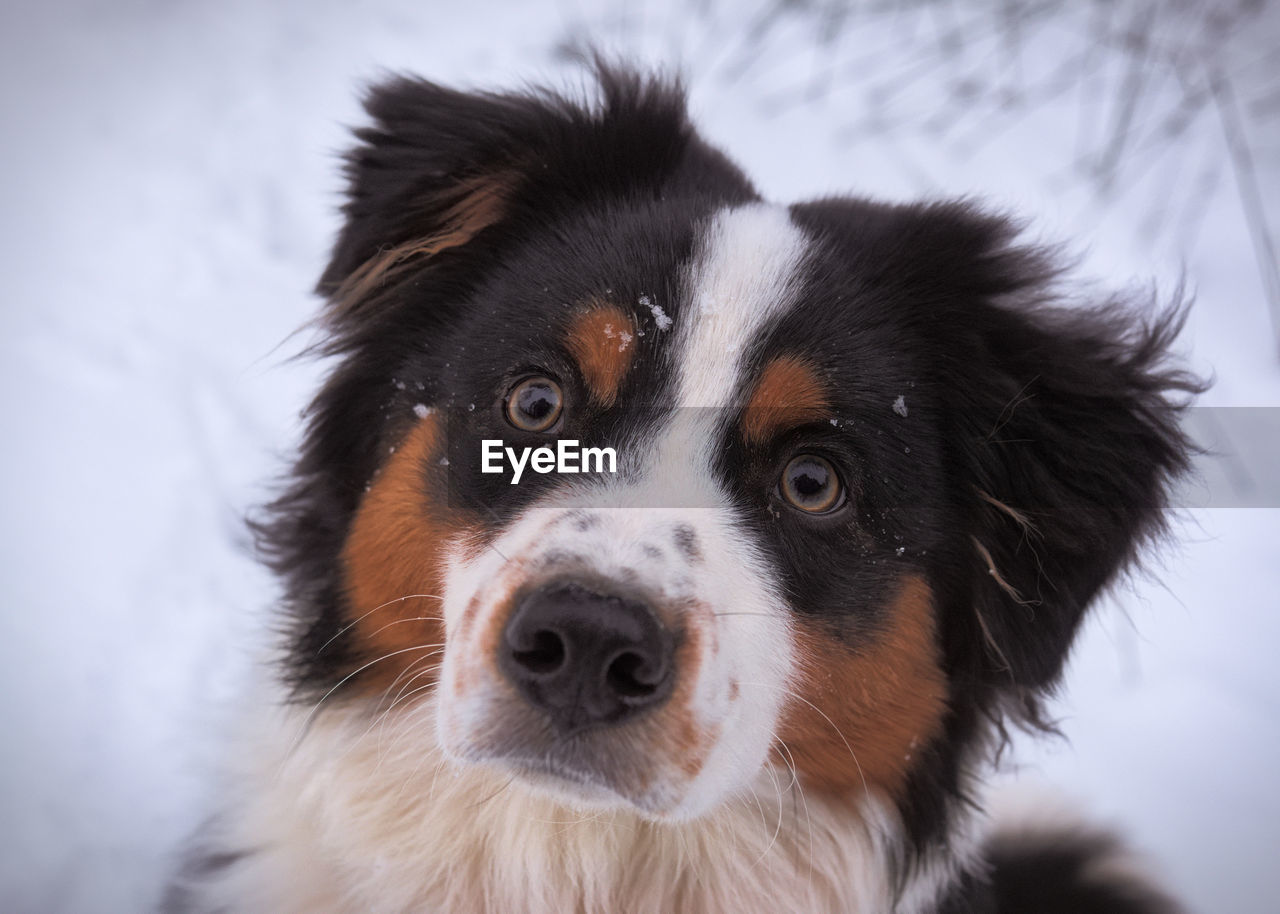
(511, 780)
(778, 826)
(381, 716)
(798, 789)
(764, 819)
(572, 823)
(412, 776)
(378, 631)
(408, 670)
(306, 724)
(404, 732)
(417, 674)
(421, 665)
(793, 694)
(346, 628)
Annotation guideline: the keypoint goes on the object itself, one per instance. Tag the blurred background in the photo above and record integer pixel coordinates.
(169, 190)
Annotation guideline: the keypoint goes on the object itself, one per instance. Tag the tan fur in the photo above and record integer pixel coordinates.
(1017, 516)
(995, 573)
(789, 393)
(602, 341)
(861, 711)
(391, 567)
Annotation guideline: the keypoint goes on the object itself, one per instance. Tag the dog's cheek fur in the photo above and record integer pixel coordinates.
(392, 562)
(862, 712)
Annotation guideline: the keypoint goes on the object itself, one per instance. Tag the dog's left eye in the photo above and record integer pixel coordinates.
(534, 404)
(811, 484)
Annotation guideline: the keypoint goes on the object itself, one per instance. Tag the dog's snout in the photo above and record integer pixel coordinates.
(587, 659)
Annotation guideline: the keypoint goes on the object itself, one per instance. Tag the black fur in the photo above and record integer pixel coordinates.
(1067, 872)
(199, 865)
(1055, 870)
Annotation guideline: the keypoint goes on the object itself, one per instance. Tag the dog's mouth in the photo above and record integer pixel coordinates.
(600, 767)
(562, 778)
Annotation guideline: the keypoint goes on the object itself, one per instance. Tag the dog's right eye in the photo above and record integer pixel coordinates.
(534, 404)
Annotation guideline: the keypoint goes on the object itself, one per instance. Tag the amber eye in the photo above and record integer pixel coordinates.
(534, 404)
(810, 483)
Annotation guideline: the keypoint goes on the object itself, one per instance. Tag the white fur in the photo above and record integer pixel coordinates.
(749, 646)
(746, 273)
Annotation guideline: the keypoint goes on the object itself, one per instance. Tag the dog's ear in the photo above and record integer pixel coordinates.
(440, 170)
(1064, 430)
(435, 169)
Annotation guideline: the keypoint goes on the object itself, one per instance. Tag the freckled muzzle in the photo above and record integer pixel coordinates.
(587, 659)
(615, 658)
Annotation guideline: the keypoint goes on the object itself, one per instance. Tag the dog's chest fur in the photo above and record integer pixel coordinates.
(357, 818)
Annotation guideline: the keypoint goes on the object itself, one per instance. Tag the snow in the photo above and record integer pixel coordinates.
(623, 337)
(659, 316)
(168, 194)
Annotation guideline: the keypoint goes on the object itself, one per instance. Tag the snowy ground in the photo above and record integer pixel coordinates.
(167, 196)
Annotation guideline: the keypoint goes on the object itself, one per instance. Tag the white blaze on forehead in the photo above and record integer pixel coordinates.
(745, 274)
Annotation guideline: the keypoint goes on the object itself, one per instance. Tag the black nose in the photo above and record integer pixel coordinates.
(585, 658)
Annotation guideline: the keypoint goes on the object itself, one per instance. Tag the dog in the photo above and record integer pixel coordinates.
(657, 548)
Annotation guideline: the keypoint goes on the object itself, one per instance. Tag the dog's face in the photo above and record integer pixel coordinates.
(854, 481)
(643, 633)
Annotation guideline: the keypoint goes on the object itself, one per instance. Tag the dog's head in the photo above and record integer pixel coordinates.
(826, 487)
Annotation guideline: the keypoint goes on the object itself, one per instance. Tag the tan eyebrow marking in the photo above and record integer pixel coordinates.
(788, 393)
(602, 340)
